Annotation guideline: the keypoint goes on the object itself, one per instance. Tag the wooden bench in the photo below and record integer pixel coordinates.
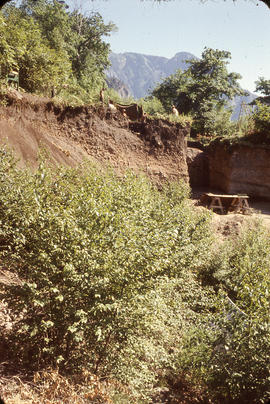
(226, 203)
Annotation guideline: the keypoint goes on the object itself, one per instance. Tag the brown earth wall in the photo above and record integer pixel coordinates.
(240, 169)
(72, 135)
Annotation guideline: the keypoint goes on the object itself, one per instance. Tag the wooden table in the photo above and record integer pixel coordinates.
(226, 203)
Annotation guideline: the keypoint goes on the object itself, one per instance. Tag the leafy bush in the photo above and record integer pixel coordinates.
(261, 117)
(84, 244)
(158, 322)
(245, 126)
(184, 120)
(231, 353)
(214, 122)
(152, 106)
(110, 272)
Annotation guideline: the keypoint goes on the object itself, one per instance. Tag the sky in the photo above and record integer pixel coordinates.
(165, 28)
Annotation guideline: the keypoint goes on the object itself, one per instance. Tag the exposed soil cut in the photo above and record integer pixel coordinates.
(241, 168)
(73, 134)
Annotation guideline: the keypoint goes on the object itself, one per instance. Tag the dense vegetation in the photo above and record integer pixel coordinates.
(202, 94)
(203, 91)
(125, 281)
(117, 278)
(53, 48)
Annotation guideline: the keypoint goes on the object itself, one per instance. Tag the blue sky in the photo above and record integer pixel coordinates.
(163, 29)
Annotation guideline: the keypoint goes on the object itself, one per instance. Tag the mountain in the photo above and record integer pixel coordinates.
(136, 74)
(119, 86)
(240, 105)
(141, 73)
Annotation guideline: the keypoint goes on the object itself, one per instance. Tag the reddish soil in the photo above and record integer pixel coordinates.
(73, 134)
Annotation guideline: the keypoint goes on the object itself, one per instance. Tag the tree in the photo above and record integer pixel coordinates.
(90, 53)
(203, 89)
(52, 46)
(77, 35)
(22, 46)
(261, 113)
(263, 86)
(169, 91)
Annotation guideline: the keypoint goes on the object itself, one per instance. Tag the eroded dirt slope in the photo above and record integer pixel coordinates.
(157, 148)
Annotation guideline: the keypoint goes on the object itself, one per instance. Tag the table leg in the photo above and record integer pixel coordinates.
(235, 205)
(216, 204)
(244, 205)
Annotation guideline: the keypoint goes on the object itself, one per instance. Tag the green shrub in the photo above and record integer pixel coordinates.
(152, 106)
(84, 244)
(245, 126)
(157, 323)
(110, 276)
(261, 117)
(231, 353)
(214, 122)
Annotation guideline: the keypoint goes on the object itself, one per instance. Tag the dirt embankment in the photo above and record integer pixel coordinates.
(240, 168)
(73, 134)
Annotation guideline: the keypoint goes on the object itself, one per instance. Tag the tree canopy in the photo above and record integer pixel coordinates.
(51, 46)
(263, 86)
(203, 90)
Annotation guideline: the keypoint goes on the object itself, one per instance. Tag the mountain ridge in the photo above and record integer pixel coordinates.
(140, 72)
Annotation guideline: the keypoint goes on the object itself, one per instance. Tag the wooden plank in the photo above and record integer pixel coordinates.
(225, 195)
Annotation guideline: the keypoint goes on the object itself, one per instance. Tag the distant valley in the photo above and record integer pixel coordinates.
(136, 75)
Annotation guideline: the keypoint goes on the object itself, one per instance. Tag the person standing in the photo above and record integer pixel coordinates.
(174, 110)
(101, 95)
(111, 106)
